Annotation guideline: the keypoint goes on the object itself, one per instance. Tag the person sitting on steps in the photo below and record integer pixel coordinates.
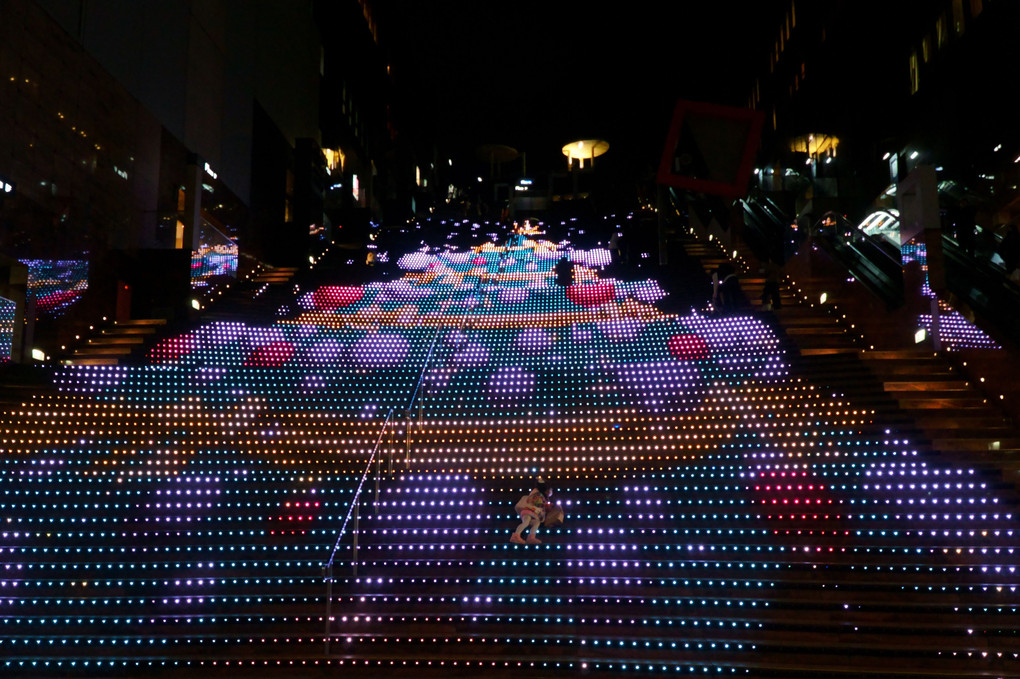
(531, 509)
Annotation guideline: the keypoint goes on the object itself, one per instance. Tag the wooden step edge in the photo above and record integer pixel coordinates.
(139, 322)
(133, 339)
(102, 350)
(86, 360)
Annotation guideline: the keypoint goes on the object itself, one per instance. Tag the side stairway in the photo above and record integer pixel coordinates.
(125, 341)
(919, 393)
(259, 299)
(119, 342)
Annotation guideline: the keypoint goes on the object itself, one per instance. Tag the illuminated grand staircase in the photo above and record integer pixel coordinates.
(736, 506)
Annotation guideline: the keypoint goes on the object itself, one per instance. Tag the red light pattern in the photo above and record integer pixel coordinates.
(591, 294)
(688, 347)
(271, 355)
(332, 297)
(172, 348)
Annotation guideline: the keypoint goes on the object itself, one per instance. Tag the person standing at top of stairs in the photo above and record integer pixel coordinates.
(727, 296)
(770, 290)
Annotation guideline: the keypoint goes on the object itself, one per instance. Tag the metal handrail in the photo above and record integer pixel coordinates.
(353, 511)
(418, 391)
(361, 483)
(866, 257)
(983, 287)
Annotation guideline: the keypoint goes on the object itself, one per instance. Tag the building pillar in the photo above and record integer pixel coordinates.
(14, 286)
(918, 199)
(192, 214)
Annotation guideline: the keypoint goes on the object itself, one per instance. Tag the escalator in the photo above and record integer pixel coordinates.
(872, 257)
(768, 230)
(985, 287)
(869, 257)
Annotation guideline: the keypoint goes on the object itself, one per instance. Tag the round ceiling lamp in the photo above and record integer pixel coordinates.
(584, 149)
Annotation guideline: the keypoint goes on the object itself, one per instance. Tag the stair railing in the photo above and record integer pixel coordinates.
(389, 426)
(353, 514)
(416, 404)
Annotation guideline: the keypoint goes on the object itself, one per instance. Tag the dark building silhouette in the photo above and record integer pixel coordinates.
(133, 136)
(856, 94)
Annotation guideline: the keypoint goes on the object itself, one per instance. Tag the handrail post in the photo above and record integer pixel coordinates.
(936, 325)
(389, 453)
(378, 472)
(357, 513)
(329, 606)
(408, 419)
(421, 408)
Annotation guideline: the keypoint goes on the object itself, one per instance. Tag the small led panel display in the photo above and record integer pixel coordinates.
(56, 284)
(216, 257)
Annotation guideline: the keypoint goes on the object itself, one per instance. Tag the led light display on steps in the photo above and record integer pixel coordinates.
(722, 512)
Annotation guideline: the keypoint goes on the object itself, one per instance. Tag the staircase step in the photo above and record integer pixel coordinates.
(821, 330)
(135, 322)
(947, 403)
(112, 339)
(944, 383)
(103, 350)
(90, 360)
(804, 321)
(899, 355)
(129, 331)
(824, 340)
(976, 443)
(829, 351)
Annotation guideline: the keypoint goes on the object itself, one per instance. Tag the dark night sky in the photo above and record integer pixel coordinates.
(538, 74)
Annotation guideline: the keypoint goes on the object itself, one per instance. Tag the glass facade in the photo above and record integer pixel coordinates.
(76, 144)
(56, 284)
(215, 258)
